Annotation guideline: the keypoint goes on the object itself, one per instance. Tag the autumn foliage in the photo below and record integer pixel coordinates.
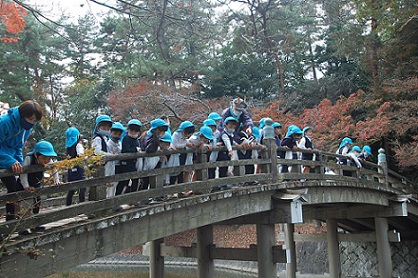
(12, 16)
(147, 101)
(367, 121)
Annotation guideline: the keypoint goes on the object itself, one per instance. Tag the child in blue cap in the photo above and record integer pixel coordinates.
(344, 149)
(305, 143)
(114, 146)
(293, 135)
(179, 142)
(130, 144)
(101, 134)
(42, 154)
(75, 148)
(227, 139)
(150, 141)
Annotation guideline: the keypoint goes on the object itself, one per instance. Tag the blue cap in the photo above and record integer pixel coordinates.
(118, 126)
(346, 141)
(228, 119)
(71, 135)
(166, 138)
(367, 149)
(276, 124)
(135, 122)
(356, 148)
(103, 118)
(292, 129)
(256, 132)
(44, 148)
(214, 116)
(209, 122)
(207, 132)
(158, 123)
(184, 125)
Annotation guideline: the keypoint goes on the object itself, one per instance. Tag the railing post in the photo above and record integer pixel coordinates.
(271, 147)
(383, 169)
(203, 174)
(97, 193)
(321, 168)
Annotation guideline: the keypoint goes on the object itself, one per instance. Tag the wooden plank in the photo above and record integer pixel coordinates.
(318, 195)
(352, 211)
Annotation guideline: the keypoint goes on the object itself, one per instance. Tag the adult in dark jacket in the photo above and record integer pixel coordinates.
(15, 128)
(238, 112)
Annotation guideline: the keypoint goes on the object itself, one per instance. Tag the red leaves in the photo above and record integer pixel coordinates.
(12, 15)
(147, 100)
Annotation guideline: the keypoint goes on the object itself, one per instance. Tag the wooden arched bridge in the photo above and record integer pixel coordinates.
(373, 204)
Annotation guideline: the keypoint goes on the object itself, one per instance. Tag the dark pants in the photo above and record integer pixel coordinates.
(249, 169)
(76, 174)
(180, 177)
(135, 182)
(223, 156)
(81, 196)
(13, 185)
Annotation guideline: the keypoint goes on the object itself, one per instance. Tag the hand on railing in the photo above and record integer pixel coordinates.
(17, 167)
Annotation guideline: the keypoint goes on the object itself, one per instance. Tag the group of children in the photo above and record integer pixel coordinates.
(113, 138)
(352, 153)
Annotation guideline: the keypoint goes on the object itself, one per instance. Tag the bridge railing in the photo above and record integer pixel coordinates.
(323, 168)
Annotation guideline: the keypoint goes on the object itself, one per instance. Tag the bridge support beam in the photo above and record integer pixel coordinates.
(265, 242)
(289, 229)
(383, 248)
(206, 265)
(333, 249)
(156, 265)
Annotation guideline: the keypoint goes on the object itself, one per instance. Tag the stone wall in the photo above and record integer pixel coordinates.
(358, 259)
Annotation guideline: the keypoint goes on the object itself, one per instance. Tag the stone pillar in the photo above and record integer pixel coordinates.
(270, 142)
(265, 242)
(156, 261)
(206, 266)
(289, 229)
(333, 249)
(383, 248)
(383, 169)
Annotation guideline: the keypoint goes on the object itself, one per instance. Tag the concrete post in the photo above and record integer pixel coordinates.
(156, 261)
(206, 266)
(333, 249)
(383, 248)
(265, 242)
(289, 229)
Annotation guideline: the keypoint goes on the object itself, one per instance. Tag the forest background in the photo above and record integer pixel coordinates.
(344, 67)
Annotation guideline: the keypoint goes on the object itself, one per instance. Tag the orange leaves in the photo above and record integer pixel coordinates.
(333, 121)
(12, 15)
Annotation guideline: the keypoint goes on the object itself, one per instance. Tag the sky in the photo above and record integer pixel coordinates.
(74, 8)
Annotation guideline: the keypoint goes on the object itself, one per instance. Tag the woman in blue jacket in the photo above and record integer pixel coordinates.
(15, 128)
